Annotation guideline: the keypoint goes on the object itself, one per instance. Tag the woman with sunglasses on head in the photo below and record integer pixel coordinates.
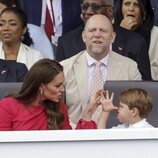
(38, 105)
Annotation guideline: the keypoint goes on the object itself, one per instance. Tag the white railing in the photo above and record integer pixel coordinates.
(108, 143)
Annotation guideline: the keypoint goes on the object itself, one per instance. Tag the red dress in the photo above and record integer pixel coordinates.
(15, 116)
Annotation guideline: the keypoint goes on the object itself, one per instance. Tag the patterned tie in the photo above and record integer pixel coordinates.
(96, 83)
(49, 25)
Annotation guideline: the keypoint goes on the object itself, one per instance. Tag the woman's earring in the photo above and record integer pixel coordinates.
(22, 38)
(144, 18)
(41, 91)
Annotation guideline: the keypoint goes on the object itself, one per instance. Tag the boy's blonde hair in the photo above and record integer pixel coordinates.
(137, 98)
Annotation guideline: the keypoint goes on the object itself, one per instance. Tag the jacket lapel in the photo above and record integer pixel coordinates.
(81, 74)
(22, 55)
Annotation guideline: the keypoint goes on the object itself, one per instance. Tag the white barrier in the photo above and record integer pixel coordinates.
(108, 143)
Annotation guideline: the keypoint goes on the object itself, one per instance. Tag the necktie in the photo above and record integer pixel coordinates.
(96, 83)
(49, 25)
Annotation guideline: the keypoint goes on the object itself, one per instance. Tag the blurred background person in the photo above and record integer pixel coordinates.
(39, 39)
(154, 42)
(64, 15)
(13, 34)
(154, 4)
(135, 15)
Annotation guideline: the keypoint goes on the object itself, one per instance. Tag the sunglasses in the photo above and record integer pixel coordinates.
(93, 6)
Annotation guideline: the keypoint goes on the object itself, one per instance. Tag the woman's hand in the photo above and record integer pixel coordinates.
(106, 101)
(93, 104)
(129, 23)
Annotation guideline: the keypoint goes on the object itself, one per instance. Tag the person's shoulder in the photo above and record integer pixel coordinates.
(10, 105)
(121, 126)
(120, 58)
(8, 102)
(35, 31)
(34, 27)
(70, 61)
(72, 33)
(130, 35)
(148, 125)
(32, 51)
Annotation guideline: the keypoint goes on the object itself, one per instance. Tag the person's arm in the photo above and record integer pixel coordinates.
(142, 60)
(85, 122)
(41, 41)
(92, 106)
(60, 55)
(107, 107)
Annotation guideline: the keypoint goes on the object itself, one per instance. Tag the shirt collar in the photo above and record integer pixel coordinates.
(138, 124)
(91, 61)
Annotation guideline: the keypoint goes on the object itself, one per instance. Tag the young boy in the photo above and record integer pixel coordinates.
(135, 105)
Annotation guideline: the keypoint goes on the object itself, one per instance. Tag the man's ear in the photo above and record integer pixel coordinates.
(14, 5)
(83, 36)
(81, 16)
(110, 12)
(113, 37)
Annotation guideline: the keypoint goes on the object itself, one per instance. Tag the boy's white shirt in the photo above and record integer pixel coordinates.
(141, 124)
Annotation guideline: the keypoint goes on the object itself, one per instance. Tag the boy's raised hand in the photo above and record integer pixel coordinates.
(107, 102)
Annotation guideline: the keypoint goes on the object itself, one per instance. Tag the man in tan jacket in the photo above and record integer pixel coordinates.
(98, 36)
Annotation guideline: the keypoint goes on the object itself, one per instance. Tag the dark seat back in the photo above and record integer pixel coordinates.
(9, 87)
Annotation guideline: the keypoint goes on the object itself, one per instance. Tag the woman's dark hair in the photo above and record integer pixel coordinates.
(147, 17)
(23, 18)
(42, 72)
(11, 3)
